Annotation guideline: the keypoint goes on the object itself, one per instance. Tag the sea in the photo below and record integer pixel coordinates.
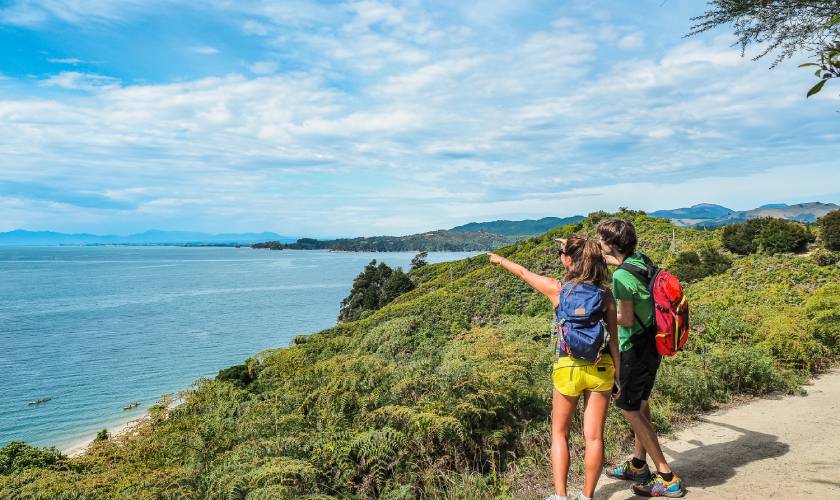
(96, 328)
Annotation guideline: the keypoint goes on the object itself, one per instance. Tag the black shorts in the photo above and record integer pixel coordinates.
(639, 365)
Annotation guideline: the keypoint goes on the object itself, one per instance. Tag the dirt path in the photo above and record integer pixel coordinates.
(783, 447)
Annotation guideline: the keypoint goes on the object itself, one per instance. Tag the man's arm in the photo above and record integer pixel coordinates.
(626, 314)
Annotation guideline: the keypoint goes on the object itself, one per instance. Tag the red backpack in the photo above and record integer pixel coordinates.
(670, 326)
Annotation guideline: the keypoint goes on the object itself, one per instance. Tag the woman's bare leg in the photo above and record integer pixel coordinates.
(594, 416)
(562, 410)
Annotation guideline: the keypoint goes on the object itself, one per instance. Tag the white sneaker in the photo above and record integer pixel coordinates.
(555, 496)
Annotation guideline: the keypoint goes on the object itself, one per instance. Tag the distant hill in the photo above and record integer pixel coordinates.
(475, 236)
(433, 241)
(22, 237)
(518, 227)
(708, 215)
(703, 211)
(801, 212)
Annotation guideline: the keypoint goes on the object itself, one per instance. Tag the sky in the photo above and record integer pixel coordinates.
(351, 118)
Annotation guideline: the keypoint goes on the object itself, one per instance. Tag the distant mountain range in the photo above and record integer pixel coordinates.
(49, 238)
(706, 215)
(474, 236)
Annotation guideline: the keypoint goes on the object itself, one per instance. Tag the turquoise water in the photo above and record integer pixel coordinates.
(95, 328)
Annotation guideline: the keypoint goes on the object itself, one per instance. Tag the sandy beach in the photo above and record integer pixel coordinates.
(79, 446)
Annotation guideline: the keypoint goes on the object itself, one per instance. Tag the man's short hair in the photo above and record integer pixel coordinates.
(619, 234)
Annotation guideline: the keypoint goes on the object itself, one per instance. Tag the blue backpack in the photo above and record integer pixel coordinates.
(581, 332)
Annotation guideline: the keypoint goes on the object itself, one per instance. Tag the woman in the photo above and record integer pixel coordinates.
(572, 376)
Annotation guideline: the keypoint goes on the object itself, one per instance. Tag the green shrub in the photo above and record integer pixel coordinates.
(765, 234)
(237, 374)
(823, 311)
(373, 288)
(780, 236)
(789, 342)
(687, 267)
(830, 228)
(692, 266)
(825, 258)
(739, 237)
(17, 456)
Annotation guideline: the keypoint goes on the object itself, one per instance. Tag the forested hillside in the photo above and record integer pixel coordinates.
(433, 241)
(445, 392)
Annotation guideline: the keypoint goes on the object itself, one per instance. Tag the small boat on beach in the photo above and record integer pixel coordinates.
(39, 401)
(131, 406)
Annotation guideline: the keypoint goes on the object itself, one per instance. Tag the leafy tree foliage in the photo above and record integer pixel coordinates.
(779, 236)
(784, 26)
(830, 227)
(692, 266)
(236, 374)
(765, 234)
(268, 245)
(102, 435)
(18, 456)
(374, 287)
(419, 261)
(739, 237)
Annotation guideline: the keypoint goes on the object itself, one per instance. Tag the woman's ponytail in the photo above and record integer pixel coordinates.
(588, 263)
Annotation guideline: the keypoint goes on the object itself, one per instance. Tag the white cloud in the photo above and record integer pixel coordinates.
(69, 60)
(29, 13)
(391, 110)
(80, 81)
(205, 50)
(632, 41)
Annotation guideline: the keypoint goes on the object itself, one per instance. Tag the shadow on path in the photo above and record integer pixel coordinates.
(714, 464)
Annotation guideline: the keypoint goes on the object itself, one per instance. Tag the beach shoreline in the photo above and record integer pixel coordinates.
(79, 446)
(125, 428)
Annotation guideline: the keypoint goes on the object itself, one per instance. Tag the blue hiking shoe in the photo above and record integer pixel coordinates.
(627, 472)
(656, 486)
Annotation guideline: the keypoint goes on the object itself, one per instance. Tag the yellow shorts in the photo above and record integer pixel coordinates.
(572, 376)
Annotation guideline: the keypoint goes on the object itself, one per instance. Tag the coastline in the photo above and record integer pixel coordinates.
(125, 428)
(80, 445)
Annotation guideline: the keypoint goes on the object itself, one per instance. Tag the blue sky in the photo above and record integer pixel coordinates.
(375, 117)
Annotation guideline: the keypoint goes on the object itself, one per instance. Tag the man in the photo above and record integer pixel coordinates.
(639, 363)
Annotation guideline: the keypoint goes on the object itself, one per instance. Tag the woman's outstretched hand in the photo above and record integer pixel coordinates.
(495, 259)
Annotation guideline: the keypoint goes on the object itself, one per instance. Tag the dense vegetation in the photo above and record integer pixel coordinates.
(692, 266)
(766, 235)
(444, 393)
(830, 227)
(518, 227)
(432, 241)
(375, 287)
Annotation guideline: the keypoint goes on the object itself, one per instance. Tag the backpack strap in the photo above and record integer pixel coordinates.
(645, 277)
(637, 273)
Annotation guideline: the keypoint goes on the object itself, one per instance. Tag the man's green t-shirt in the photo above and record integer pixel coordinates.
(628, 287)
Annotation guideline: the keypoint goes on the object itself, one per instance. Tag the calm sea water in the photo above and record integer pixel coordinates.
(95, 328)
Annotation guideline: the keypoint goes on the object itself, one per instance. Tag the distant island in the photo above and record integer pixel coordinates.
(472, 237)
